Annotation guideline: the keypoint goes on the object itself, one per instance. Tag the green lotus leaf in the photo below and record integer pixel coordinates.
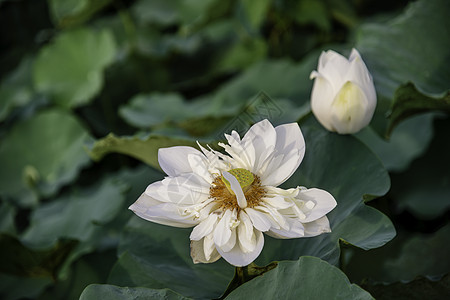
(112, 292)
(306, 278)
(41, 154)
(70, 69)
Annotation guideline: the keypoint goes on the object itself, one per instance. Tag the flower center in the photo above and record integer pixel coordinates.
(250, 183)
(243, 176)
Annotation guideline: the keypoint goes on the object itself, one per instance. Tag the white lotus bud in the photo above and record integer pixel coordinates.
(343, 97)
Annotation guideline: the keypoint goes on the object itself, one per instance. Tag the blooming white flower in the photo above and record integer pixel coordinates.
(343, 97)
(230, 200)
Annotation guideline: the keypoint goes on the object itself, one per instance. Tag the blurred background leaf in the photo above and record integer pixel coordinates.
(70, 69)
(40, 155)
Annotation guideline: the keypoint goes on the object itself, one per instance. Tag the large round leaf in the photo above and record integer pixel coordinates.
(408, 141)
(79, 215)
(307, 278)
(41, 154)
(415, 47)
(112, 292)
(71, 68)
(16, 89)
(144, 148)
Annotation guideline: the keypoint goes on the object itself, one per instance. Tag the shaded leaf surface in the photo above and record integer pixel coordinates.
(77, 216)
(157, 256)
(419, 57)
(72, 12)
(407, 257)
(307, 278)
(418, 289)
(17, 259)
(112, 292)
(424, 189)
(408, 141)
(38, 157)
(71, 68)
(16, 89)
(144, 149)
(408, 101)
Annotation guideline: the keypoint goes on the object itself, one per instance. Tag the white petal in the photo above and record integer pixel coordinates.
(185, 189)
(203, 251)
(238, 159)
(296, 230)
(324, 201)
(200, 167)
(222, 232)
(278, 202)
(259, 143)
(236, 188)
(215, 162)
(277, 220)
(237, 150)
(348, 110)
(359, 74)
(231, 242)
(162, 213)
(290, 148)
(333, 66)
(260, 220)
(246, 236)
(322, 96)
(317, 227)
(174, 160)
(238, 258)
(204, 228)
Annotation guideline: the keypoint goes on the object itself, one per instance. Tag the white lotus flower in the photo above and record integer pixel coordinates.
(343, 97)
(231, 200)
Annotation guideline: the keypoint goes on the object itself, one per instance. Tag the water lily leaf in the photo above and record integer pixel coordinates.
(157, 256)
(142, 148)
(68, 13)
(420, 288)
(418, 248)
(7, 214)
(166, 13)
(41, 154)
(426, 197)
(25, 272)
(17, 287)
(407, 257)
(61, 217)
(71, 68)
(408, 141)
(307, 278)
(91, 268)
(254, 12)
(112, 292)
(265, 76)
(313, 12)
(17, 259)
(422, 23)
(145, 111)
(16, 89)
(352, 174)
(408, 101)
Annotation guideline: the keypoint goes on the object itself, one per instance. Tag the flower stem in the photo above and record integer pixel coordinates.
(244, 274)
